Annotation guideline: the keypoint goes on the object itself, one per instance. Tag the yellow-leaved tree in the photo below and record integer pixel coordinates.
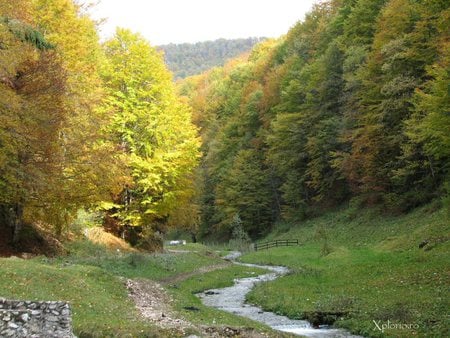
(152, 128)
(54, 157)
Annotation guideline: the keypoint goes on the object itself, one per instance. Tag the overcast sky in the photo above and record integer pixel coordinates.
(177, 21)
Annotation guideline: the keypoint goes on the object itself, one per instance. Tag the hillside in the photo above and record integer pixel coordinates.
(103, 286)
(351, 105)
(188, 59)
(355, 268)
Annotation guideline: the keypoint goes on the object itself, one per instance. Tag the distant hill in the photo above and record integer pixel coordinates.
(188, 59)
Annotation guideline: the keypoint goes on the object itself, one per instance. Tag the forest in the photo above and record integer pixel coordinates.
(351, 106)
(335, 136)
(186, 59)
(87, 126)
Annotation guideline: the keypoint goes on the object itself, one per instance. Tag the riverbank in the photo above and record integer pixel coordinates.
(232, 299)
(130, 294)
(368, 273)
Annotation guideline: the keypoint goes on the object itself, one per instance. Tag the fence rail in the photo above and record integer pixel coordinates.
(275, 244)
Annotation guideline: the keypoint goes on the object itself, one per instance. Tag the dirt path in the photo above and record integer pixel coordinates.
(155, 304)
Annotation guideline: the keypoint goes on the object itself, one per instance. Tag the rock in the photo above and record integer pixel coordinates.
(12, 325)
(8, 333)
(25, 317)
(52, 318)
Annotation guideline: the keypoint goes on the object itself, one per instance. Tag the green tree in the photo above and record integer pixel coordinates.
(150, 127)
(246, 191)
(404, 44)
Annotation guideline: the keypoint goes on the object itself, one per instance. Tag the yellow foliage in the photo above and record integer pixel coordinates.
(100, 236)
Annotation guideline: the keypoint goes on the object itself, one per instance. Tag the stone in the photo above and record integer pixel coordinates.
(12, 325)
(52, 318)
(25, 317)
(35, 319)
(8, 333)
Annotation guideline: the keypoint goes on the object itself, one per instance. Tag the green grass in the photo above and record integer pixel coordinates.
(374, 271)
(100, 305)
(133, 265)
(91, 279)
(188, 247)
(184, 295)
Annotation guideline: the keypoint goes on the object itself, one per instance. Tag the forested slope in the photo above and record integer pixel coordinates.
(352, 105)
(85, 125)
(186, 59)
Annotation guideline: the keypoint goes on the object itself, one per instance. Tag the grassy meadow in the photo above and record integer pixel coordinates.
(91, 278)
(363, 269)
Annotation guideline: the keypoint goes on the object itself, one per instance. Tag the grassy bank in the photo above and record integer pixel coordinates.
(91, 279)
(361, 267)
(184, 295)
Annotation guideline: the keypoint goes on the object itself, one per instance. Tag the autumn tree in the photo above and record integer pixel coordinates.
(32, 112)
(349, 104)
(151, 128)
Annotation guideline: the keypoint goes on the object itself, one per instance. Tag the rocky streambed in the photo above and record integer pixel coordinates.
(232, 299)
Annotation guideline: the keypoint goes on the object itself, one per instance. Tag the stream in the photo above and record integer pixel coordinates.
(232, 299)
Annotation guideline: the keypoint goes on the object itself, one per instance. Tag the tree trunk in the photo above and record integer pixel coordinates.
(18, 224)
(193, 237)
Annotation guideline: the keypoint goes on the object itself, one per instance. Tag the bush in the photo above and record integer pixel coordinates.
(240, 240)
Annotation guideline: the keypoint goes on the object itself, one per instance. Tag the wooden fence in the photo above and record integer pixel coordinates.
(275, 244)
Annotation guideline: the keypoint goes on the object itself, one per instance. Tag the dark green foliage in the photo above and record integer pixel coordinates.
(188, 59)
(352, 103)
(27, 33)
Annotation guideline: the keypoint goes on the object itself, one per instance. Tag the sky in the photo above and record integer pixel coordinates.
(178, 21)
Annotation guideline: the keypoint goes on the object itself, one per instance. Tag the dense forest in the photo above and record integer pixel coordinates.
(186, 59)
(352, 106)
(335, 136)
(87, 126)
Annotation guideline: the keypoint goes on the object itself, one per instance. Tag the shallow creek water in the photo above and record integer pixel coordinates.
(232, 299)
